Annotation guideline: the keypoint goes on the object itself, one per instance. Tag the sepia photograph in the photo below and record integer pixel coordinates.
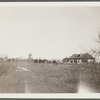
(49, 49)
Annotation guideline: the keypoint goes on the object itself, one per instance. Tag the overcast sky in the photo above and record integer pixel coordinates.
(47, 32)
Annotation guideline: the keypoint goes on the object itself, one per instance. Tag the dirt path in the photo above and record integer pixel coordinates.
(24, 71)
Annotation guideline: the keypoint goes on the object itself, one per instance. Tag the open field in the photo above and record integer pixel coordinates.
(29, 77)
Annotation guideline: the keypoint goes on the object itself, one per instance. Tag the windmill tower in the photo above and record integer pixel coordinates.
(30, 57)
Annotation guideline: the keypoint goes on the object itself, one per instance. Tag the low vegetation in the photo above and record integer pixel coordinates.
(46, 77)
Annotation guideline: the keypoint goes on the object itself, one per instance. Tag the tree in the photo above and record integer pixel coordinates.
(96, 49)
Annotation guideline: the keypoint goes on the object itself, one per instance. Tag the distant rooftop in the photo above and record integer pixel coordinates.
(82, 56)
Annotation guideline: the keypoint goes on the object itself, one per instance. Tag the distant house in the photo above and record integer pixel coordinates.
(80, 59)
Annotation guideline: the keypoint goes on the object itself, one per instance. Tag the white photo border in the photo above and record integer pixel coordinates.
(51, 95)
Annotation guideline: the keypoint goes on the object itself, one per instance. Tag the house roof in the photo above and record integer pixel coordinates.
(81, 56)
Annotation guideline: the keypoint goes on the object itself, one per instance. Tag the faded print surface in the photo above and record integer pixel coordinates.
(34, 42)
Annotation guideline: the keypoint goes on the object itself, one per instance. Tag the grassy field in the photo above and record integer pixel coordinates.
(46, 78)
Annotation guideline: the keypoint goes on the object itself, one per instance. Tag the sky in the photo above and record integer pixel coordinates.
(53, 32)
